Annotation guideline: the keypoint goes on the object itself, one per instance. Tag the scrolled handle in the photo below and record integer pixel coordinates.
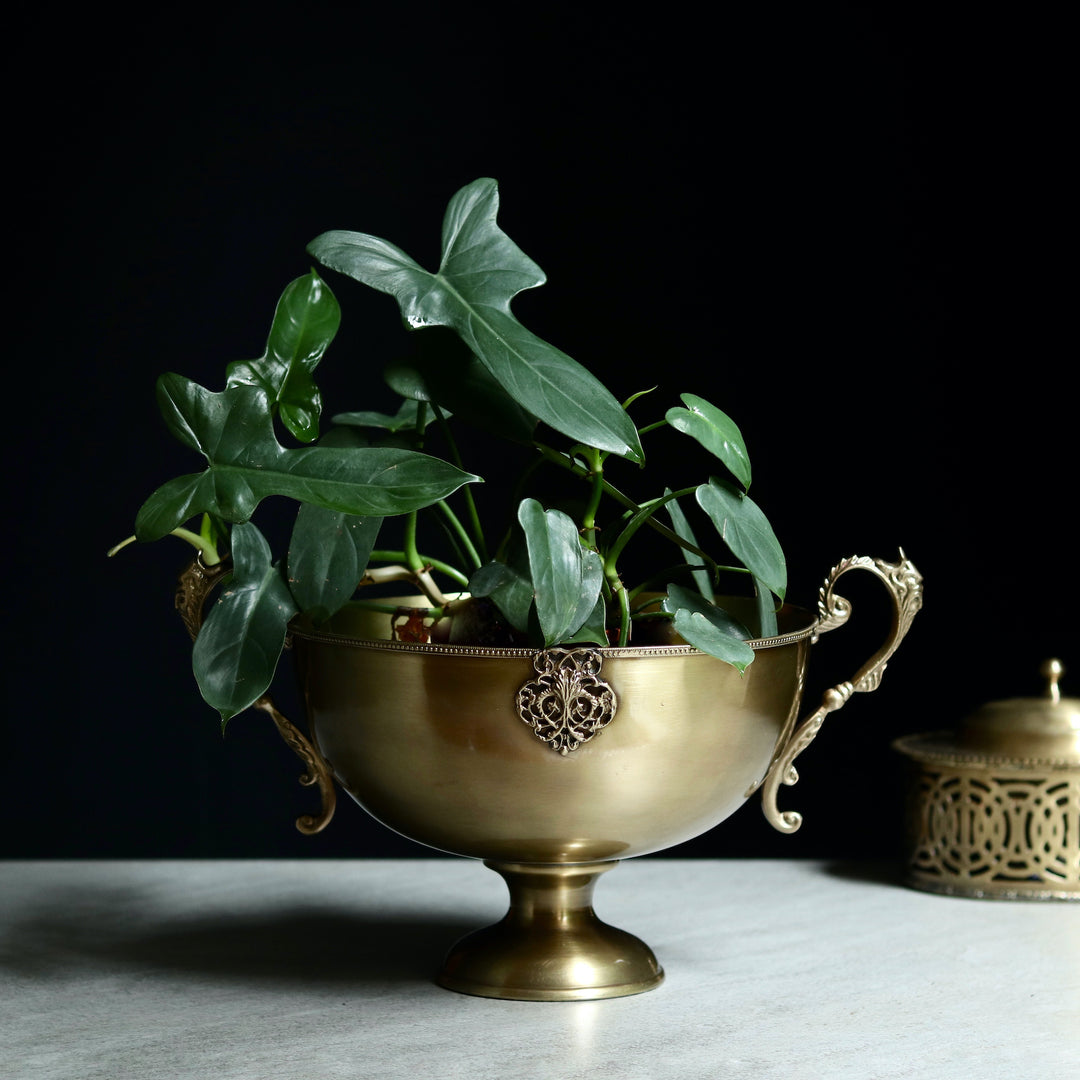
(904, 586)
(194, 586)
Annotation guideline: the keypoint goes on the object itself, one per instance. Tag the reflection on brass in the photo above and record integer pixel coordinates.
(194, 586)
(994, 808)
(568, 704)
(428, 738)
(904, 585)
(551, 946)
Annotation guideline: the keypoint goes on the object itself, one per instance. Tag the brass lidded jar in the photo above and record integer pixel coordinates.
(994, 807)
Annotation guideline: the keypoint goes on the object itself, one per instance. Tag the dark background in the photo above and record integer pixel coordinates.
(847, 228)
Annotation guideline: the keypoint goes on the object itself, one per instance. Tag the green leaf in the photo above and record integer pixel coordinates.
(683, 530)
(446, 372)
(698, 629)
(708, 628)
(566, 576)
(716, 431)
(234, 432)
(509, 587)
(404, 419)
(481, 271)
(746, 531)
(328, 553)
(237, 650)
(305, 322)
(680, 599)
(594, 629)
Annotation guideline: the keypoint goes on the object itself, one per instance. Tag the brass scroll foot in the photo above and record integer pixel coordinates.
(194, 586)
(904, 585)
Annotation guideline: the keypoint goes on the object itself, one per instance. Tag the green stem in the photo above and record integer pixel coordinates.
(205, 547)
(651, 427)
(412, 557)
(426, 560)
(461, 533)
(619, 592)
(588, 521)
(565, 462)
(640, 517)
(480, 547)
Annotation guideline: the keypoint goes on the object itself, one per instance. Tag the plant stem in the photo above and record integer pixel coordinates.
(412, 556)
(620, 594)
(461, 533)
(205, 548)
(480, 548)
(568, 463)
(588, 521)
(435, 564)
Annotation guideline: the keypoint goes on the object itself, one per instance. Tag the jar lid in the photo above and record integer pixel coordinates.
(1043, 727)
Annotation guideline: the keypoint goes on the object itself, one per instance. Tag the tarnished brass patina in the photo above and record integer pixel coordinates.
(994, 807)
(452, 746)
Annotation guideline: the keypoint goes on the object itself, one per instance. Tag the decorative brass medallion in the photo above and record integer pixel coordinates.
(568, 704)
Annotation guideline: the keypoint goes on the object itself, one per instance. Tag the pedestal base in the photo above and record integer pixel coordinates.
(551, 946)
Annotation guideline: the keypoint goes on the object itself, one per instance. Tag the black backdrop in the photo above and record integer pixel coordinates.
(844, 227)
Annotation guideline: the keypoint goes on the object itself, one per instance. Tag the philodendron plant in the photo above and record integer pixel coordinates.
(368, 494)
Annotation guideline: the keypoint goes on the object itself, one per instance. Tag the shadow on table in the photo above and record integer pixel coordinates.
(867, 872)
(302, 945)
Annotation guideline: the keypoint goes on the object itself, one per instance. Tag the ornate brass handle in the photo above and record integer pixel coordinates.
(194, 586)
(904, 585)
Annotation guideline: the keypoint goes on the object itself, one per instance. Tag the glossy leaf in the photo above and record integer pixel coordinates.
(404, 419)
(237, 650)
(509, 587)
(234, 431)
(716, 431)
(697, 629)
(446, 372)
(328, 553)
(593, 630)
(681, 599)
(566, 576)
(481, 271)
(708, 627)
(683, 530)
(305, 322)
(746, 531)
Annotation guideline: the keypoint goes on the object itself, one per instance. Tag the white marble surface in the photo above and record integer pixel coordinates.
(320, 970)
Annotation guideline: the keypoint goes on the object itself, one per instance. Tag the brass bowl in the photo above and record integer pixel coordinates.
(551, 765)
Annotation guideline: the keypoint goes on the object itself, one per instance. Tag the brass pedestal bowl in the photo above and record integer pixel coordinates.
(552, 765)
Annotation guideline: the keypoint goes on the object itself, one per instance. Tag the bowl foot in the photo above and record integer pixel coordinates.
(551, 946)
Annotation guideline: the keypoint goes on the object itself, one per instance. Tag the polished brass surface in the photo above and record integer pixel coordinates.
(194, 586)
(551, 946)
(428, 739)
(452, 746)
(904, 586)
(994, 807)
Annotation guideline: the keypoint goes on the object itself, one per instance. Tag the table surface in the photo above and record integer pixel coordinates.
(314, 970)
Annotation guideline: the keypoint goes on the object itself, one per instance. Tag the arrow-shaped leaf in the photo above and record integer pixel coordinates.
(481, 271)
(566, 576)
(746, 531)
(234, 432)
(305, 322)
(237, 650)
